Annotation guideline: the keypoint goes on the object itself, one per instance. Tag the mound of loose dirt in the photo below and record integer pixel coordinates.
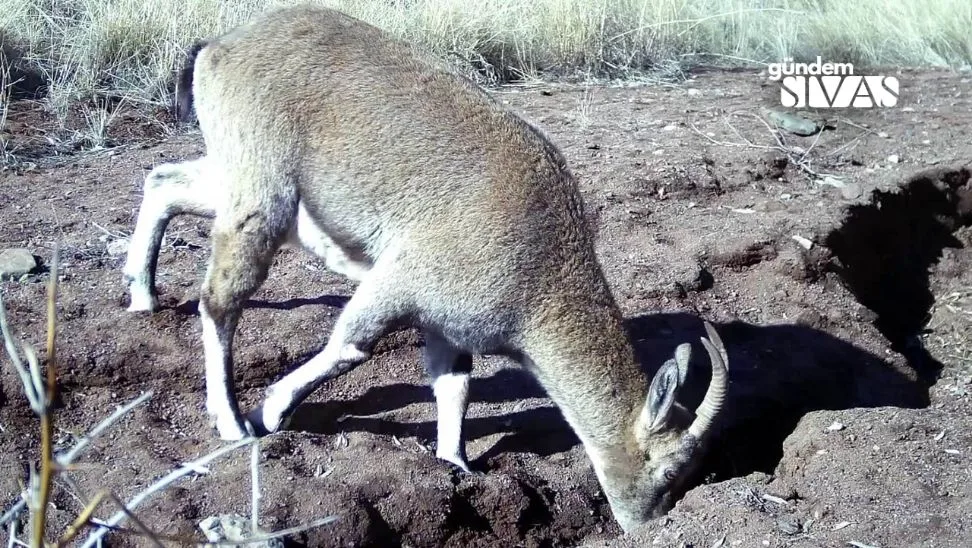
(868, 328)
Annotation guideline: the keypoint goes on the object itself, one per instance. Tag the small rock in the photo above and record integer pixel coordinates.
(883, 135)
(117, 247)
(233, 528)
(835, 427)
(893, 159)
(805, 243)
(792, 123)
(769, 206)
(16, 262)
(832, 181)
(694, 92)
(789, 526)
(851, 191)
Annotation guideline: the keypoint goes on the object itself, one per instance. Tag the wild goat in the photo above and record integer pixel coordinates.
(454, 215)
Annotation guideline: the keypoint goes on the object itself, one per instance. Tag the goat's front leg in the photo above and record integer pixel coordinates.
(169, 190)
(244, 243)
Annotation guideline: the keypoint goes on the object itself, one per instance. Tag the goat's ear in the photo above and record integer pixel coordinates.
(661, 397)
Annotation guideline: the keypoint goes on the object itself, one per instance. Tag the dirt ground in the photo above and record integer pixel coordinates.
(851, 362)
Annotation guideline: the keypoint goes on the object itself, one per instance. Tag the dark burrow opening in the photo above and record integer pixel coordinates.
(883, 251)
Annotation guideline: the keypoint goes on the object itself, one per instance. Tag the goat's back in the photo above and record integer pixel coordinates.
(386, 147)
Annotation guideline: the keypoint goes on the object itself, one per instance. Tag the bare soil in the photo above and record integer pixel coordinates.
(851, 361)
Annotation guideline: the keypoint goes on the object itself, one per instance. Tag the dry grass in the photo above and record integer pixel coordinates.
(129, 47)
(91, 55)
(39, 380)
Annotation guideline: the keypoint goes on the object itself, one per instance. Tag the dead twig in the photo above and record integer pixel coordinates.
(68, 457)
(196, 466)
(47, 418)
(795, 155)
(78, 524)
(41, 395)
(151, 535)
(254, 483)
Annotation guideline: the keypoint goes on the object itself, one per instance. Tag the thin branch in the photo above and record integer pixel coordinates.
(65, 459)
(69, 456)
(172, 477)
(281, 533)
(14, 511)
(47, 417)
(11, 347)
(74, 529)
(138, 523)
(179, 540)
(12, 531)
(254, 484)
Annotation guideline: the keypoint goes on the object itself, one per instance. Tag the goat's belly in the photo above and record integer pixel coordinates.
(309, 235)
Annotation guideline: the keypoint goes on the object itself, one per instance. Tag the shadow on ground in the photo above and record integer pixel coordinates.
(884, 249)
(777, 373)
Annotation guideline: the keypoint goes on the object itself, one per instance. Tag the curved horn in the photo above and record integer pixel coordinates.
(683, 357)
(715, 396)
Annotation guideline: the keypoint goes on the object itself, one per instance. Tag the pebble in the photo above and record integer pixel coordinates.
(893, 159)
(117, 247)
(16, 262)
(851, 191)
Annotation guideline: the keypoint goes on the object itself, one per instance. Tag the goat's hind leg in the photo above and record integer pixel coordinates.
(169, 190)
(449, 369)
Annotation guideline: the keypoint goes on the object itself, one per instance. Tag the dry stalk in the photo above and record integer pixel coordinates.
(41, 393)
(196, 466)
(81, 521)
(47, 417)
(796, 156)
(146, 532)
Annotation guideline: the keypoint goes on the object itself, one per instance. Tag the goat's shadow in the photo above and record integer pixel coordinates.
(777, 374)
(190, 307)
(881, 252)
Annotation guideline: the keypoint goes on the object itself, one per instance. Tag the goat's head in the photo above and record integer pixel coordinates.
(642, 479)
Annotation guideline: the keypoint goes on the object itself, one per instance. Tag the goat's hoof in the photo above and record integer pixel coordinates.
(461, 466)
(142, 303)
(228, 428)
(260, 427)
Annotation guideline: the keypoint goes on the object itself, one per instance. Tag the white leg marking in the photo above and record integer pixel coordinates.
(169, 190)
(151, 215)
(218, 403)
(451, 398)
(284, 394)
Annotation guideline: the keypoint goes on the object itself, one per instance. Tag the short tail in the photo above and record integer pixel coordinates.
(183, 102)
